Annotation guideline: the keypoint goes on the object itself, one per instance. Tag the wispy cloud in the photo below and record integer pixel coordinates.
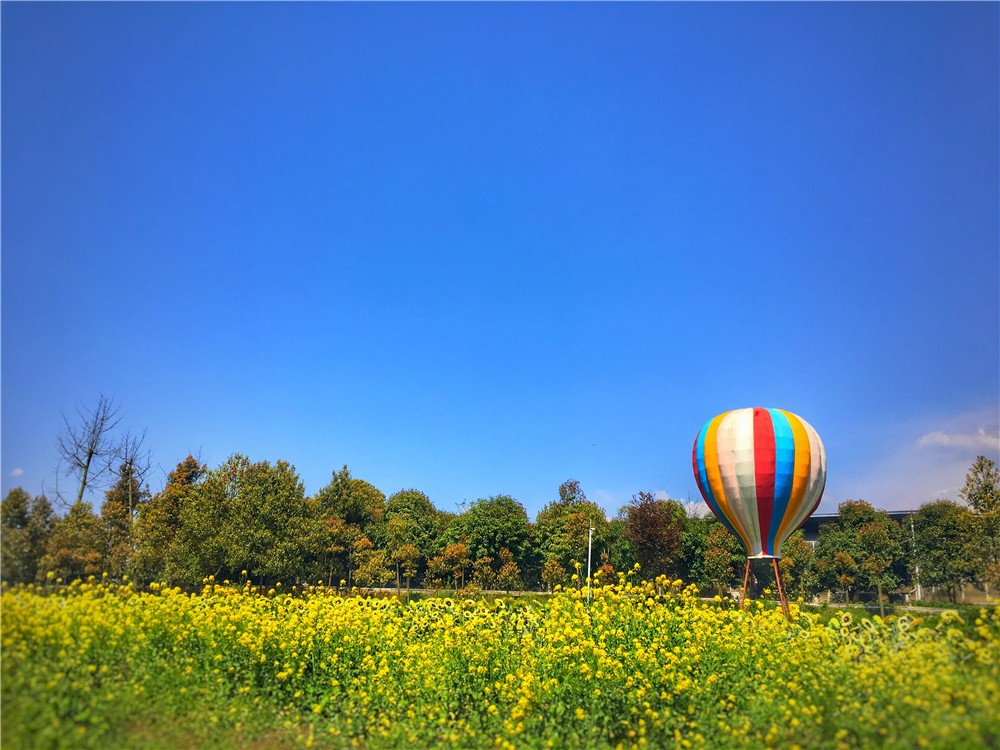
(17, 472)
(926, 459)
(979, 440)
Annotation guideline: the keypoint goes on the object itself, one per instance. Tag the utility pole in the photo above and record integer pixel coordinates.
(590, 542)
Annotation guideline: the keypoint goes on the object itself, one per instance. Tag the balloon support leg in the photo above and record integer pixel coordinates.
(781, 590)
(746, 578)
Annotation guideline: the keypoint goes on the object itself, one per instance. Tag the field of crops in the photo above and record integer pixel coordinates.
(96, 665)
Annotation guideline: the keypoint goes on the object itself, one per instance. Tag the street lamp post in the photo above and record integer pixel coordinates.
(590, 541)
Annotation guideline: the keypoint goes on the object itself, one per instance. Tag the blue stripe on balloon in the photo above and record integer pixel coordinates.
(705, 486)
(699, 453)
(784, 473)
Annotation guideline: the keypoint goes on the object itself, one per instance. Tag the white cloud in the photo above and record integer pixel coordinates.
(696, 508)
(612, 502)
(924, 459)
(980, 440)
(17, 472)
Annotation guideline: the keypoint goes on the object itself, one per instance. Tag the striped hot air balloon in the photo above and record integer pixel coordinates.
(762, 472)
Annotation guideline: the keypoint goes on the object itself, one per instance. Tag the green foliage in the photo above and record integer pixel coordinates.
(118, 511)
(491, 524)
(724, 557)
(74, 548)
(25, 527)
(982, 487)
(553, 574)
(865, 550)
(982, 493)
(798, 567)
(561, 527)
(354, 500)
(245, 516)
(155, 532)
(944, 546)
(96, 666)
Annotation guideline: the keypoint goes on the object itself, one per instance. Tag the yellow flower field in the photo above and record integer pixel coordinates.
(99, 665)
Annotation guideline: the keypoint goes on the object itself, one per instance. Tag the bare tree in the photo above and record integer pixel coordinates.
(133, 461)
(86, 450)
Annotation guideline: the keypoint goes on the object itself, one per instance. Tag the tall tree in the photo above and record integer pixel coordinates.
(879, 549)
(261, 530)
(74, 547)
(86, 447)
(694, 543)
(158, 523)
(982, 486)
(944, 546)
(509, 574)
(356, 501)
(25, 527)
(416, 519)
(245, 516)
(654, 528)
(982, 493)
(722, 557)
(117, 513)
(562, 528)
(133, 461)
(350, 509)
(845, 538)
(495, 523)
(798, 566)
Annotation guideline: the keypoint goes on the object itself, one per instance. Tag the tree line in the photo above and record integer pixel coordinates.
(252, 521)
(248, 520)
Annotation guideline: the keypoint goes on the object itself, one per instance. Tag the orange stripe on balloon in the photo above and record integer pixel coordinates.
(800, 480)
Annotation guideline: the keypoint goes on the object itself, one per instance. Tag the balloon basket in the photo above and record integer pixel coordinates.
(777, 578)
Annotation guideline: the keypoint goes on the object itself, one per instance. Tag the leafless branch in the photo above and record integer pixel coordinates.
(85, 448)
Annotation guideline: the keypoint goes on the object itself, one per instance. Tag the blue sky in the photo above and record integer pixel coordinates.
(479, 249)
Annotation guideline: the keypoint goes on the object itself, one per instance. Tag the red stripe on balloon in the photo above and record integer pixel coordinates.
(764, 468)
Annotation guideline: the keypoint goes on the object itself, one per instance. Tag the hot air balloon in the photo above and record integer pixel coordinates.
(762, 472)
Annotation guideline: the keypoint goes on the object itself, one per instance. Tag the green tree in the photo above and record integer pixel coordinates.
(694, 543)
(495, 523)
(879, 550)
(654, 528)
(356, 501)
(415, 519)
(982, 486)
(722, 558)
(844, 568)
(509, 575)
(944, 546)
(245, 516)
(339, 538)
(798, 567)
(406, 559)
(117, 514)
(158, 521)
(457, 562)
(74, 546)
(25, 528)
(553, 574)
(562, 528)
(372, 564)
(618, 552)
(844, 536)
(982, 494)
